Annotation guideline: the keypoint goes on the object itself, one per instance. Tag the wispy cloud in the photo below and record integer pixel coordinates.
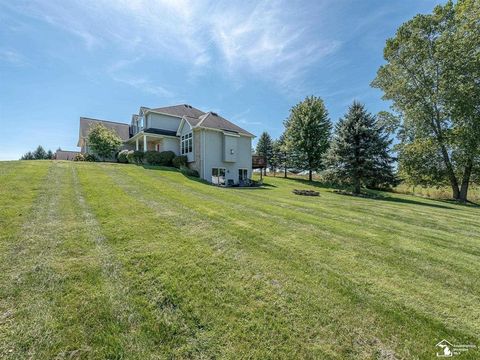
(242, 118)
(119, 71)
(238, 39)
(13, 57)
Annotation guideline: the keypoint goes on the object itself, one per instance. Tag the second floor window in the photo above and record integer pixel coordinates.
(187, 143)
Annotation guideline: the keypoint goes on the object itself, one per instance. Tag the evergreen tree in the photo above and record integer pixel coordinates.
(359, 153)
(264, 148)
(277, 156)
(49, 155)
(307, 134)
(39, 153)
(28, 156)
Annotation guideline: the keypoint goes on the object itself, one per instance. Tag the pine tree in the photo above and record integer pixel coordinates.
(277, 156)
(39, 153)
(28, 156)
(307, 134)
(264, 148)
(359, 153)
(49, 155)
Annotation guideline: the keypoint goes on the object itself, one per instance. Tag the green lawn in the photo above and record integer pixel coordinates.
(124, 262)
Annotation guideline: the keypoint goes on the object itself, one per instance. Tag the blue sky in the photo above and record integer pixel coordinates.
(250, 61)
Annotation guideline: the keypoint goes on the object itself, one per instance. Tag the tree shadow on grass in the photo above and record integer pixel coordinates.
(377, 195)
(409, 201)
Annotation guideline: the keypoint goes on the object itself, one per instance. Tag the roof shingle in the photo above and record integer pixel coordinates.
(180, 110)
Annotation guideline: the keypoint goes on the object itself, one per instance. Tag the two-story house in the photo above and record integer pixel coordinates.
(218, 149)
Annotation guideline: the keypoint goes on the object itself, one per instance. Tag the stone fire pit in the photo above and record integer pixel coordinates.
(306, 192)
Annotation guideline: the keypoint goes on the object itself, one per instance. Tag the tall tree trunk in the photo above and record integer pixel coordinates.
(310, 175)
(356, 189)
(450, 173)
(466, 181)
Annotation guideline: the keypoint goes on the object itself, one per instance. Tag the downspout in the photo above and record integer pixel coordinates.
(203, 155)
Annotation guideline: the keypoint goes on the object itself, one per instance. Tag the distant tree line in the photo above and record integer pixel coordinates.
(38, 154)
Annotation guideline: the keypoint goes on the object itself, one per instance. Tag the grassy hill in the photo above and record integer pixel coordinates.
(125, 262)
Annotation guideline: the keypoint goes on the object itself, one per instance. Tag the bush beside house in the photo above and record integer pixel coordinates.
(179, 161)
(135, 157)
(163, 158)
(122, 157)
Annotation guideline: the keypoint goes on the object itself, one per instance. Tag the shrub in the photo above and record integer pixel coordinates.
(79, 157)
(163, 158)
(90, 157)
(135, 157)
(122, 157)
(179, 161)
(189, 172)
(152, 157)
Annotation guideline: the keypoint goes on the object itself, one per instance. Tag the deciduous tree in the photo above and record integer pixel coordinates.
(103, 141)
(432, 75)
(307, 134)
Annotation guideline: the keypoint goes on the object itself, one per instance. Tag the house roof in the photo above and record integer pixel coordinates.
(161, 132)
(212, 120)
(121, 129)
(180, 110)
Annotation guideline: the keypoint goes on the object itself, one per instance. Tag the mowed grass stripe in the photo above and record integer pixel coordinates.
(52, 282)
(139, 263)
(134, 233)
(244, 294)
(413, 253)
(164, 191)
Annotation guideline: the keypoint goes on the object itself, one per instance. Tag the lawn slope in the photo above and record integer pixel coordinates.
(120, 261)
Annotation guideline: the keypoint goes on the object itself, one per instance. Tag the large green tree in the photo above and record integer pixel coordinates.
(264, 148)
(40, 153)
(432, 76)
(359, 153)
(103, 141)
(307, 134)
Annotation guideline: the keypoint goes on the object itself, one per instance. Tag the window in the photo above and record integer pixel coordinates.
(187, 143)
(242, 175)
(218, 176)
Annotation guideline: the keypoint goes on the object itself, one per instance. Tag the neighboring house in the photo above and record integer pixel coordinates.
(121, 129)
(218, 149)
(65, 155)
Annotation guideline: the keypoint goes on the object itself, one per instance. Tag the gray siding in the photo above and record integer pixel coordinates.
(164, 122)
(212, 149)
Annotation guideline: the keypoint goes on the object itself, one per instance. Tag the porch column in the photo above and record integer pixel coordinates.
(144, 143)
(136, 144)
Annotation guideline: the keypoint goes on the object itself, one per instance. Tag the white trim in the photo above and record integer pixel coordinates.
(231, 134)
(222, 130)
(151, 135)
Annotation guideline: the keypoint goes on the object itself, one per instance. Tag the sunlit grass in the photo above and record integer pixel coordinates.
(121, 261)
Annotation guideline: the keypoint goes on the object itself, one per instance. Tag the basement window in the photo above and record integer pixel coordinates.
(218, 176)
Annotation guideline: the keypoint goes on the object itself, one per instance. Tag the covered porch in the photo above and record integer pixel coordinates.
(144, 141)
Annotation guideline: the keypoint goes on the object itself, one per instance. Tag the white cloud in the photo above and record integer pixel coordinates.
(249, 37)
